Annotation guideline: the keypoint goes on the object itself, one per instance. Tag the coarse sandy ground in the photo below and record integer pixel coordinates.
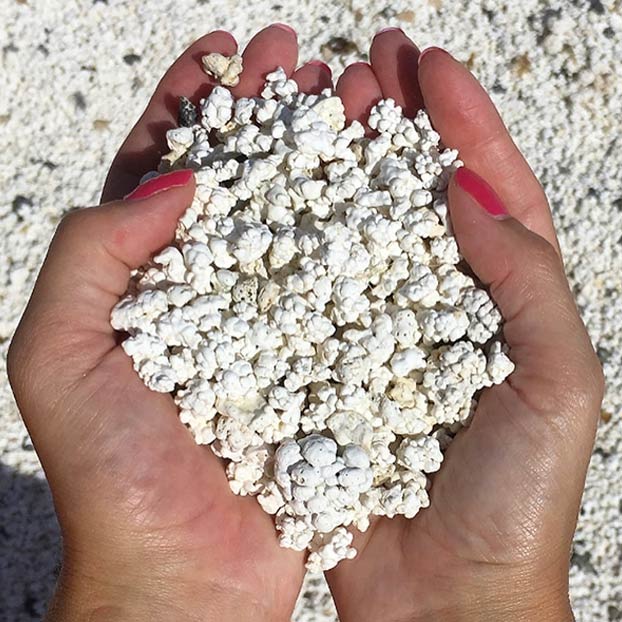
(75, 75)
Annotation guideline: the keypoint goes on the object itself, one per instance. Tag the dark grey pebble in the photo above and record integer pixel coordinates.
(187, 115)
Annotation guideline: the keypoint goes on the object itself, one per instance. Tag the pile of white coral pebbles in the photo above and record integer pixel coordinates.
(313, 318)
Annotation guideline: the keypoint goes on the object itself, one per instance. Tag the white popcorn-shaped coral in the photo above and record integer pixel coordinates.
(311, 317)
(226, 69)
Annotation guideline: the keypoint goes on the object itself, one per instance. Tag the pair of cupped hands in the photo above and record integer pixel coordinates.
(151, 530)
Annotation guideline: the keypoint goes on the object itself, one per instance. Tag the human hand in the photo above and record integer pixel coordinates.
(150, 527)
(495, 542)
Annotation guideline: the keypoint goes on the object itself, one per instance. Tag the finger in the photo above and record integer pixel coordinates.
(557, 373)
(87, 270)
(394, 59)
(146, 143)
(313, 77)
(467, 120)
(359, 90)
(272, 47)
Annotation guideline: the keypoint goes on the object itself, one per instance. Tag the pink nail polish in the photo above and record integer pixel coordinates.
(321, 65)
(159, 184)
(286, 28)
(388, 29)
(479, 190)
(432, 49)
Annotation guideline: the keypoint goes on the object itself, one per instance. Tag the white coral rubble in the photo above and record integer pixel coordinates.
(312, 318)
(226, 69)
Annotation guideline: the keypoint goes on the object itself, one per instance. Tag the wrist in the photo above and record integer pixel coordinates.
(509, 597)
(506, 611)
(157, 593)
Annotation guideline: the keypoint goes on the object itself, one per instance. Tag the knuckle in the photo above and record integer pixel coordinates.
(73, 222)
(18, 363)
(544, 256)
(568, 388)
(583, 389)
(12, 361)
(32, 364)
(586, 392)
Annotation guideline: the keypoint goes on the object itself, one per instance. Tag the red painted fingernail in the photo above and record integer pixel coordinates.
(322, 65)
(159, 184)
(479, 190)
(389, 29)
(286, 28)
(431, 49)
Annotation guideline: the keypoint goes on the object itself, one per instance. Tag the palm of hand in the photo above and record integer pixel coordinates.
(151, 484)
(488, 524)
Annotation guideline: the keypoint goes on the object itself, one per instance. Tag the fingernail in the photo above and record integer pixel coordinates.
(322, 65)
(159, 184)
(286, 28)
(389, 29)
(432, 49)
(479, 190)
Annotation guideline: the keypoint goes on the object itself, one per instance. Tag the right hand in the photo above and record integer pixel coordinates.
(495, 542)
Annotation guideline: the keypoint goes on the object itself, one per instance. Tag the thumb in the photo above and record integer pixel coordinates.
(557, 374)
(65, 330)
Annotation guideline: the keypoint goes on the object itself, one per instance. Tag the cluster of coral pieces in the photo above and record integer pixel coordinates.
(313, 318)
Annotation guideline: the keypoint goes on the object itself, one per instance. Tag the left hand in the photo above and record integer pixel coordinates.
(150, 527)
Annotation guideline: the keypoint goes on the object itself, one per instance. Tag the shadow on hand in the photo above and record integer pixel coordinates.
(130, 164)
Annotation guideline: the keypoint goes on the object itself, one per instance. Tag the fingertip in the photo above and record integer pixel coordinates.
(186, 76)
(359, 91)
(456, 101)
(285, 27)
(322, 65)
(394, 60)
(359, 65)
(388, 30)
(274, 46)
(313, 77)
(456, 86)
(225, 38)
(463, 202)
(431, 52)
